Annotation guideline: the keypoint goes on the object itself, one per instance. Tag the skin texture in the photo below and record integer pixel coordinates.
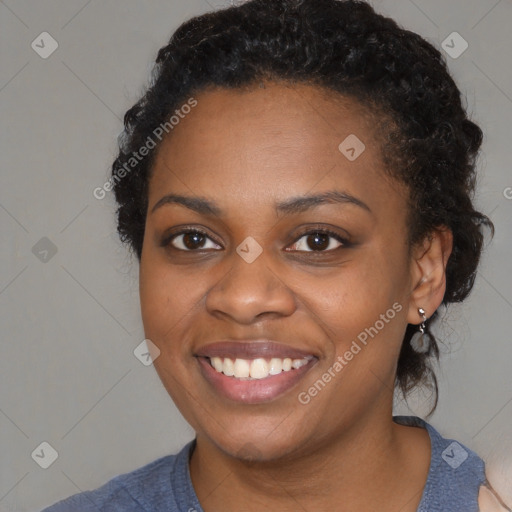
(247, 150)
(489, 501)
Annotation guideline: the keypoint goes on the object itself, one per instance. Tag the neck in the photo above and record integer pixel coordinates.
(366, 465)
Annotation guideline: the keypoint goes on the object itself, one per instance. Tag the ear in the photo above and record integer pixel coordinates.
(428, 273)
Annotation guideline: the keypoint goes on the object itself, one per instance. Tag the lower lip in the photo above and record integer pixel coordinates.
(252, 391)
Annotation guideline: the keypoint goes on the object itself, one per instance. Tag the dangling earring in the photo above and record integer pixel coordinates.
(419, 340)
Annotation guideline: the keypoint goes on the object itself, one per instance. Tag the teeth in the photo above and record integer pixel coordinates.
(259, 369)
(228, 368)
(256, 368)
(217, 363)
(242, 368)
(276, 366)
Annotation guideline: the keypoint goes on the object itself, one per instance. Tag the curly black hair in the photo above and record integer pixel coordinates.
(427, 142)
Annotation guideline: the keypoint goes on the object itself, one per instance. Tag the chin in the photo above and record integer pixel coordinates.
(244, 441)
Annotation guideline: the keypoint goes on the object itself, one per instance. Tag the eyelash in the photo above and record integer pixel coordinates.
(322, 231)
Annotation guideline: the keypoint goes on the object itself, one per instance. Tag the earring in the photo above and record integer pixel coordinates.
(419, 340)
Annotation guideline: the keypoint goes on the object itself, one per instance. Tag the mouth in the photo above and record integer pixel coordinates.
(253, 372)
(255, 369)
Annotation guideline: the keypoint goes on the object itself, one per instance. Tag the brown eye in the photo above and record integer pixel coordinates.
(191, 241)
(318, 241)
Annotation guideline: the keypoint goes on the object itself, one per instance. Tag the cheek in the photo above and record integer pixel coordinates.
(355, 296)
(168, 301)
(167, 297)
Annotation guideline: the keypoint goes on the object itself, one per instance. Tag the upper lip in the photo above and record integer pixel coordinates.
(251, 349)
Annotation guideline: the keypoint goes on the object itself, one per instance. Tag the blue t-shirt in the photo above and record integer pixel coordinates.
(454, 479)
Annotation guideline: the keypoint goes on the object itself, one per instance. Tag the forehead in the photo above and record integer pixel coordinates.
(277, 139)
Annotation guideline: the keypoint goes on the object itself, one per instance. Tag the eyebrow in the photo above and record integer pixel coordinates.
(290, 206)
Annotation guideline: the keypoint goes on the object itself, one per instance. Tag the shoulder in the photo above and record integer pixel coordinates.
(455, 475)
(489, 501)
(150, 487)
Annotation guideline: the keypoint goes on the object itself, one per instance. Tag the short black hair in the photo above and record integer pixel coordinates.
(344, 46)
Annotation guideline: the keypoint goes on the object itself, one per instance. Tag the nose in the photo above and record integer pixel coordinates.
(250, 291)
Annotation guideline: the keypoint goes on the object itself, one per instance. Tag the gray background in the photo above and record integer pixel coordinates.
(69, 325)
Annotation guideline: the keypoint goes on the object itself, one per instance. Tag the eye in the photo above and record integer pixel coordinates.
(190, 240)
(319, 241)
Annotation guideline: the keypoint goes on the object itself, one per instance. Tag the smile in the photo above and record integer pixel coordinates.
(252, 371)
(259, 368)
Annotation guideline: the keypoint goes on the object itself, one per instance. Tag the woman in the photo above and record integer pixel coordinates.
(296, 184)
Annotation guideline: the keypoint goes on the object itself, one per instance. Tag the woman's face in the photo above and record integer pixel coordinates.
(246, 271)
